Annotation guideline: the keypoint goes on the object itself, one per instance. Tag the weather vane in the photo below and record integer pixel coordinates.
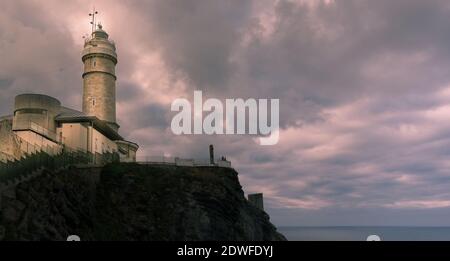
(93, 18)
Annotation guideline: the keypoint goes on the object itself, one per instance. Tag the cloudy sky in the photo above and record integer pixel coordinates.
(364, 89)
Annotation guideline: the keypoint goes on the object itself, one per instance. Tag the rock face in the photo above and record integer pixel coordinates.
(133, 202)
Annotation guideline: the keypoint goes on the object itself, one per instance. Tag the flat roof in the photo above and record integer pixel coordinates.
(68, 115)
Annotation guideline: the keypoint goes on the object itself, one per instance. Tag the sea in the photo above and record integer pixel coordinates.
(362, 233)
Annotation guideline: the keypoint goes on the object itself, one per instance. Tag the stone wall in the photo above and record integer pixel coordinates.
(9, 149)
(256, 200)
(99, 96)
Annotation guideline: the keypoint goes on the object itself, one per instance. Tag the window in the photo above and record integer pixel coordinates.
(93, 101)
(30, 111)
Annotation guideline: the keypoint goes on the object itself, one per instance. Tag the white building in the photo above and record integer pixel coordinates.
(41, 123)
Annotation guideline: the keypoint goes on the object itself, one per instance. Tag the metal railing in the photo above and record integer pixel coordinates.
(182, 161)
(13, 170)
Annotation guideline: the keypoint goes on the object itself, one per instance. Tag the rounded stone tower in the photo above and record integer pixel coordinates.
(36, 112)
(99, 78)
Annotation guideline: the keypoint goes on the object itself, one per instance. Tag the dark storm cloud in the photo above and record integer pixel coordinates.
(324, 56)
(128, 91)
(36, 53)
(197, 38)
(153, 115)
(5, 83)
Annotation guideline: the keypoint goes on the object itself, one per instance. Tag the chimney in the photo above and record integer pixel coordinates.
(211, 154)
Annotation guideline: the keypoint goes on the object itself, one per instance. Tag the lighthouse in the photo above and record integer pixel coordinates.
(40, 123)
(99, 77)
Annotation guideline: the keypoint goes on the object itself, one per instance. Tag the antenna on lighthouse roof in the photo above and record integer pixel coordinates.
(92, 15)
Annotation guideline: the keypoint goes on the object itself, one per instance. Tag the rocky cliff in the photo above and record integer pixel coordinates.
(133, 202)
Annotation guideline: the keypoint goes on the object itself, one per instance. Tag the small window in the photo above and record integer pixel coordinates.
(30, 111)
(93, 101)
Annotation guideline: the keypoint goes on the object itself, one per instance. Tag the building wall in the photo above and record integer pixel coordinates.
(33, 142)
(77, 136)
(101, 63)
(74, 136)
(101, 144)
(127, 151)
(8, 147)
(99, 96)
(99, 80)
(36, 112)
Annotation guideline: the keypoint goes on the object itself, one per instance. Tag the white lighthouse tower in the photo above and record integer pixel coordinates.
(99, 77)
